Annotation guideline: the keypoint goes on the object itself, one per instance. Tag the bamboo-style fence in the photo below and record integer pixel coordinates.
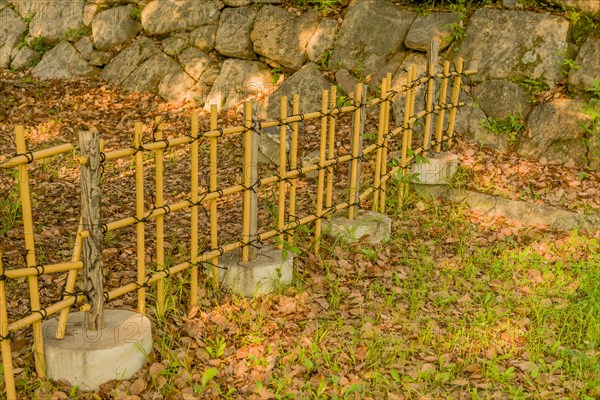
(285, 180)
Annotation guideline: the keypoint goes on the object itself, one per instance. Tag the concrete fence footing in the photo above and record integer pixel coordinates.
(376, 226)
(88, 359)
(437, 170)
(271, 268)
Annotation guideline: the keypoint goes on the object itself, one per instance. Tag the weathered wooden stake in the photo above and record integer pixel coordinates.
(91, 170)
(432, 56)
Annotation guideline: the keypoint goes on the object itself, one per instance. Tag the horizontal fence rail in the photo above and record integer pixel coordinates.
(373, 159)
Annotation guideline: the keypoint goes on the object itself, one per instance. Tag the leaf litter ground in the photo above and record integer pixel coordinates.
(456, 305)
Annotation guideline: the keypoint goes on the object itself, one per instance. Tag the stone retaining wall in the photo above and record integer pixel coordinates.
(226, 51)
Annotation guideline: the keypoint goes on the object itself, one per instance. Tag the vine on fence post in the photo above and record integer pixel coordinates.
(91, 170)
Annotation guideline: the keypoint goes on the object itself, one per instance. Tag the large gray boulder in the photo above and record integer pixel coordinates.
(175, 44)
(372, 32)
(56, 18)
(431, 26)
(233, 34)
(499, 99)
(25, 58)
(505, 44)
(237, 3)
(471, 124)
(239, 80)
(308, 82)
(204, 37)
(11, 29)
(149, 74)
(85, 47)
(322, 40)
(282, 36)
(160, 16)
(419, 60)
(195, 62)
(588, 62)
(589, 7)
(28, 8)
(176, 86)
(555, 132)
(199, 93)
(62, 62)
(114, 27)
(129, 59)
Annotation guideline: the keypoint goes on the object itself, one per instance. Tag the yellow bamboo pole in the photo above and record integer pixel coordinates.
(247, 179)
(194, 213)
(439, 127)
(48, 269)
(214, 238)
(384, 155)
(183, 140)
(139, 214)
(406, 135)
(36, 155)
(160, 221)
(352, 211)
(331, 147)
(282, 169)
(412, 109)
(70, 284)
(429, 106)
(207, 196)
(321, 183)
(455, 95)
(379, 155)
(32, 318)
(294, 162)
(9, 376)
(34, 293)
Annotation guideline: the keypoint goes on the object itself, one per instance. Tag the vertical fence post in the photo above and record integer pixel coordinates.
(432, 56)
(294, 163)
(139, 214)
(407, 131)
(321, 182)
(70, 284)
(282, 169)
(358, 127)
(249, 227)
(91, 169)
(212, 168)
(331, 148)
(455, 96)
(194, 211)
(442, 114)
(384, 155)
(9, 376)
(380, 137)
(34, 293)
(160, 220)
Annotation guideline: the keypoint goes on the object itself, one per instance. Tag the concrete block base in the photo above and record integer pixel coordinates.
(259, 276)
(438, 170)
(88, 359)
(367, 223)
